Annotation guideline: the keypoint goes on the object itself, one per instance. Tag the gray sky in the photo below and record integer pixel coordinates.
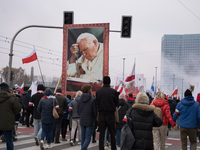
(151, 19)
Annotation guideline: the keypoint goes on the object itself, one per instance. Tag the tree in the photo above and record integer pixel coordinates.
(18, 76)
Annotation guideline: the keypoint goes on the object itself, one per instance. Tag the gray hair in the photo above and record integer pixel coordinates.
(87, 36)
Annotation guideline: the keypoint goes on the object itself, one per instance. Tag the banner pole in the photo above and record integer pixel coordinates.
(58, 83)
(40, 68)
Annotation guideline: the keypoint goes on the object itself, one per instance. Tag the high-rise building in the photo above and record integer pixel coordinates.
(180, 62)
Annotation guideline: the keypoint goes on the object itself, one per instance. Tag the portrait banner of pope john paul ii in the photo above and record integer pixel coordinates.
(85, 56)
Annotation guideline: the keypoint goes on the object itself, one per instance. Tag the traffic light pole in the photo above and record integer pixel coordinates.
(12, 42)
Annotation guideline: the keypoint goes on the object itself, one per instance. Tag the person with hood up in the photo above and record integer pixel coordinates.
(160, 134)
(87, 112)
(189, 111)
(9, 107)
(143, 120)
(45, 108)
(75, 118)
(122, 109)
(33, 104)
(131, 100)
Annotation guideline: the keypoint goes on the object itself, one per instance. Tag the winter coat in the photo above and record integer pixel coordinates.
(87, 110)
(172, 106)
(45, 107)
(164, 105)
(123, 107)
(73, 108)
(189, 112)
(35, 99)
(107, 99)
(143, 120)
(62, 104)
(9, 107)
(68, 103)
(27, 100)
(23, 96)
(131, 101)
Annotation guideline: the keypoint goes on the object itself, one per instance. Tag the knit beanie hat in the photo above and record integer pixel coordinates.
(142, 98)
(59, 90)
(4, 86)
(106, 80)
(40, 87)
(188, 93)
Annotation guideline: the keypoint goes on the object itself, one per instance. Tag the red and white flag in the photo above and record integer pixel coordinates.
(132, 75)
(29, 57)
(22, 88)
(121, 89)
(175, 92)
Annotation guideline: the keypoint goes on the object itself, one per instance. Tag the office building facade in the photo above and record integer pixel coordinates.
(180, 62)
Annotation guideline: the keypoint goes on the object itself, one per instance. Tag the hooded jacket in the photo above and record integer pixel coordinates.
(87, 110)
(45, 107)
(143, 120)
(73, 108)
(9, 106)
(189, 112)
(164, 105)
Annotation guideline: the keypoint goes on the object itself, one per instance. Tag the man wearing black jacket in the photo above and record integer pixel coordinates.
(107, 101)
(33, 104)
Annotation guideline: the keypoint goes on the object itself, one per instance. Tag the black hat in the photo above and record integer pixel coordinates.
(106, 80)
(4, 86)
(40, 87)
(59, 90)
(188, 93)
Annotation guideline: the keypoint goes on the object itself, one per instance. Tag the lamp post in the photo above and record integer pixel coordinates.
(173, 81)
(123, 67)
(155, 81)
(182, 89)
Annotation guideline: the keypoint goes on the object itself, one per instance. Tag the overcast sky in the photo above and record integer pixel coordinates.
(151, 19)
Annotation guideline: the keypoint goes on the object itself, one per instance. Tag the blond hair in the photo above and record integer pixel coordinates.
(159, 95)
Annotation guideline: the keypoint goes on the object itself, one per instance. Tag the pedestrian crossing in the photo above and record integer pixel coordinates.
(27, 142)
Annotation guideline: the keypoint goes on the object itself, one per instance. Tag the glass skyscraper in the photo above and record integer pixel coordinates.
(180, 62)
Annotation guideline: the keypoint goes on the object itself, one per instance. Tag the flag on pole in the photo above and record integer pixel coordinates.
(121, 89)
(22, 88)
(152, 88)
(175, 92)
(29, 57)
(132, 75)
(33, 87)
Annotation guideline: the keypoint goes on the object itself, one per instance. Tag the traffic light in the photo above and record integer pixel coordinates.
(126, 26)
(68, 17)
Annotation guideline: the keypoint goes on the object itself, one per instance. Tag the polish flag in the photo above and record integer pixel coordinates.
(121, 89)
(29, 57)
(175, 92)
(22, 88)
(132, 75)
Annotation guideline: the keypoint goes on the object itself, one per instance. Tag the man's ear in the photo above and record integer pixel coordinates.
(95, 42)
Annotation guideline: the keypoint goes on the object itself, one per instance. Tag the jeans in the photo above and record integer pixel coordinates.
(86, 133)
(8, 134)
(118, 137)
(106, 137)
(37, 127)
(47, 131)
(76, 124)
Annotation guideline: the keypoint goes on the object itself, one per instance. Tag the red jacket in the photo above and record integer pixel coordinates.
(164, 105)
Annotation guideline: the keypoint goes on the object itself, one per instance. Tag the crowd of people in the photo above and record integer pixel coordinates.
(107, 113)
